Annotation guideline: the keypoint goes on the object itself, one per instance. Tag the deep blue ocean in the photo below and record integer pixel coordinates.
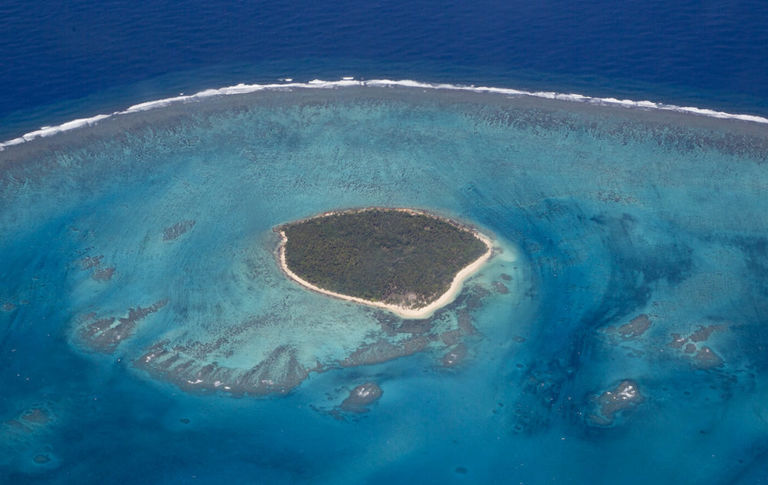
(617, 335)
(60, 60)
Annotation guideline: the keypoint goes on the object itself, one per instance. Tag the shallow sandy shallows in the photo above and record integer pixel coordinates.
(403, 312)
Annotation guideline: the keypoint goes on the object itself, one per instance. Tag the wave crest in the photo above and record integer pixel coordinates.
(350, 82)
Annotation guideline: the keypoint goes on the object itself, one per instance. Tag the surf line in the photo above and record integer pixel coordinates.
(349, 82)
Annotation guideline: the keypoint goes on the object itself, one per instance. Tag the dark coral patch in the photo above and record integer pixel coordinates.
(105, 334)
(362, 396)
(175, 231)
(613, 402)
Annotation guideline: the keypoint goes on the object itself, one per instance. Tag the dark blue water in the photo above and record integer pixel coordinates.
(617, 335)
(53, 54)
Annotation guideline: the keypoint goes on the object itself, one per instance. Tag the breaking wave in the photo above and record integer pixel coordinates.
(350, 82)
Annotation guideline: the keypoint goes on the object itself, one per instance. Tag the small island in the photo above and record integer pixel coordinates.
(406, 261)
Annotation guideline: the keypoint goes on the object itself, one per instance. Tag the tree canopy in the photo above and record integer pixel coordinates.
(384, 255)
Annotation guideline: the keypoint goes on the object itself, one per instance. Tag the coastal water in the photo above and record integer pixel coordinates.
(147, 334)
(142, 300)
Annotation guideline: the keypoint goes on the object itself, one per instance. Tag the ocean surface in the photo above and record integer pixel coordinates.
(616, 155)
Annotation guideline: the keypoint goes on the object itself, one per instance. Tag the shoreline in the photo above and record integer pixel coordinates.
(407, 313)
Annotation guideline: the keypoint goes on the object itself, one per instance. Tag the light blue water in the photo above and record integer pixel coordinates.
(599, 214)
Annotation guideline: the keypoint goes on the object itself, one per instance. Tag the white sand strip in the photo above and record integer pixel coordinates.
(408, 313)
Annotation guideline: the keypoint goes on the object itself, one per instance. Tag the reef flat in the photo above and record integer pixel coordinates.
(406, 261)
(622, 313)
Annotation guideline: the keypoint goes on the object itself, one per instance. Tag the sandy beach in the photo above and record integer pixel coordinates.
(407, 313)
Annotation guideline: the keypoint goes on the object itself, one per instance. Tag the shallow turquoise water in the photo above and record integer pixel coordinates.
(227, 370)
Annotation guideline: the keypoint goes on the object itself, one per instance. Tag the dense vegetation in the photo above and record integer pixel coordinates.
(383, 255)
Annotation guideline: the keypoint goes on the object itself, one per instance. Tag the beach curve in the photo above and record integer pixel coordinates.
(407, 313)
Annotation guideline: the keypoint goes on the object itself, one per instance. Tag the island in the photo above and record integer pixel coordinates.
(406, 261)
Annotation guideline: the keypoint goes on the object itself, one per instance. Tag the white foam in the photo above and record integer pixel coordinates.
(348, 81)
(52, 130)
